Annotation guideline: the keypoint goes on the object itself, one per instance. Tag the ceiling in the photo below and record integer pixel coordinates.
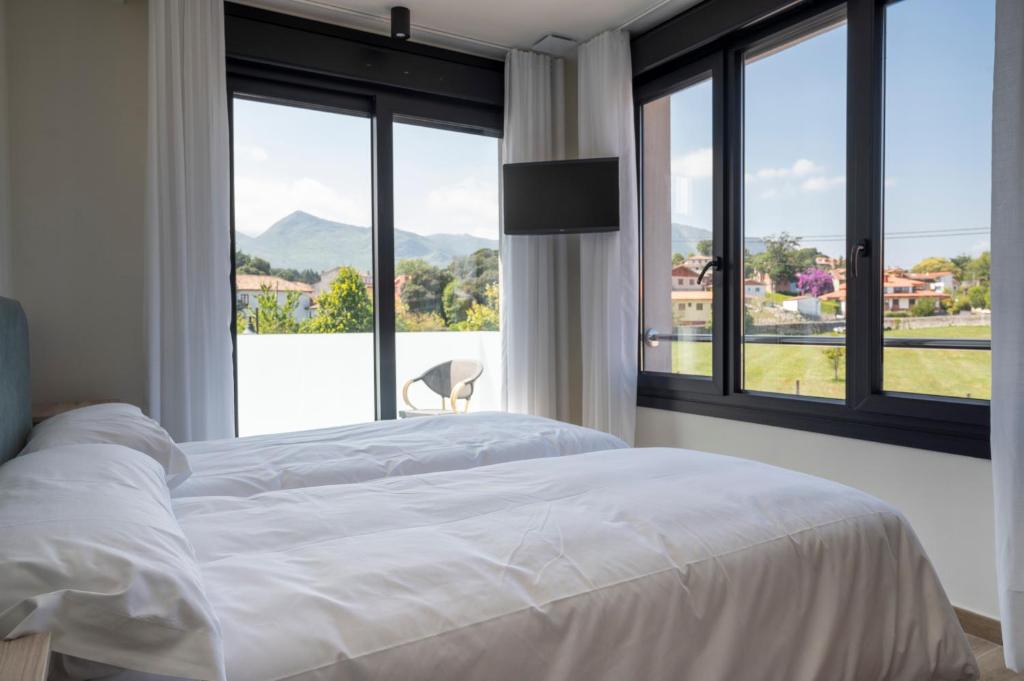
(488, 27)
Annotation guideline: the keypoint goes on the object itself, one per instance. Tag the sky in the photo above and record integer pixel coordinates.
(938, 119)
(289, 158)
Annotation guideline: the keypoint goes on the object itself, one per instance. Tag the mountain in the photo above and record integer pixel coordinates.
(685, 238)
(304, 241)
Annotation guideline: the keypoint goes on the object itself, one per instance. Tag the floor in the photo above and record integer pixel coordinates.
(990, 660)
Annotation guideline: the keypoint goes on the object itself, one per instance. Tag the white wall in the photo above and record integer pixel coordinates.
(77, 106)
(5, 188)
(947, 498)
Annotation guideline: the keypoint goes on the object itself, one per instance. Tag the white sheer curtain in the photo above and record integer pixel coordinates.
(536, 283)
(188, 293)
(1008, 322)
(609, 305)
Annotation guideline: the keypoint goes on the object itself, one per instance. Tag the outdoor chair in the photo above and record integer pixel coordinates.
(452, 380)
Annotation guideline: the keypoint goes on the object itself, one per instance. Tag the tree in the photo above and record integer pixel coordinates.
(980, 269)
(978, 296)
(677, 259)
(344, 308)
(835, 357)
(482, 317)
(778, 260)
(423, 292)
(470, 278)
(924, 307)
(935, 265)
(805, 259)
(814, 282)
(273, 316)
(248, 264)
(704, 246)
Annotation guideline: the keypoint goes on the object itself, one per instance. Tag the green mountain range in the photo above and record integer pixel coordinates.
(686, 237)
(303, 241)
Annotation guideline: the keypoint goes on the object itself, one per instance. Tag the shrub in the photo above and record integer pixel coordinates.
(924, 307)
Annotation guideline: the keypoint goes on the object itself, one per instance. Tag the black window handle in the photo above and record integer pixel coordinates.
(860, 249)
(715, 263)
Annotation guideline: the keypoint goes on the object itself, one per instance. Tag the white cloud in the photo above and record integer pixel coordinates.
(694, 165)
(820, 184)
(260, 202)
(468, 206)
(252, 152)
(801, 168)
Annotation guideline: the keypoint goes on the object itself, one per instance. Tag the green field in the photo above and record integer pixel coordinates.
(932, 371)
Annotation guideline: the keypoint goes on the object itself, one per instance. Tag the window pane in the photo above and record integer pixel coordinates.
(303, 252)
(678, 230)
(446, 264)
(938, 151)
(795, 215)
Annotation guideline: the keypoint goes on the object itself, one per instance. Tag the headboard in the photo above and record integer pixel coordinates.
(15, 398)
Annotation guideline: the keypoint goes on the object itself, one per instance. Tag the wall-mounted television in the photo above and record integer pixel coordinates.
(561, 197)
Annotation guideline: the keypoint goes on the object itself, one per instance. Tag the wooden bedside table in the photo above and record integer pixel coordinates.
(41, 412)
(25, 659)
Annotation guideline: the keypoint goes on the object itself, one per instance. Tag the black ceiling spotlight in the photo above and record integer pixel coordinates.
(400, 23)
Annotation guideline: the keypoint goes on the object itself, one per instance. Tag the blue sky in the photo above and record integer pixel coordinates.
(289, 158)
(938, 136)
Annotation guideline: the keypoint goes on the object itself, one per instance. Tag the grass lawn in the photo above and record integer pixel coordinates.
(932, 371)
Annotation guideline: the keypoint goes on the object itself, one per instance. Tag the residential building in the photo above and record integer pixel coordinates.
(691, 308)
(684, 278)
(249, 287)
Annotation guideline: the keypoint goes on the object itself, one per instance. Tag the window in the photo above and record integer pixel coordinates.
(364, 221)
(834, 157)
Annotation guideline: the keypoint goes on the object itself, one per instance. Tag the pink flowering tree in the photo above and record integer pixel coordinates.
(814, 282)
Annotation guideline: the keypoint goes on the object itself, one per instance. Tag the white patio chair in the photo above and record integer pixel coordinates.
(452, 380)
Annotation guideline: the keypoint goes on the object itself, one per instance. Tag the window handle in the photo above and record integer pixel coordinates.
(715, 263)
(651, 337)
(861, 249)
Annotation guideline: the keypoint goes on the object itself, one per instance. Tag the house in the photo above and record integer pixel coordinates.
(697, 262)
(691, 308)
(825, 262)
(899, 294)
(805, 306)
(684, 278)
(248, 288)
(327, 278)
(752, 288)
(943, 282)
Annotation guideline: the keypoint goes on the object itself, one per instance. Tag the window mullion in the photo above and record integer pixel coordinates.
(865, 99)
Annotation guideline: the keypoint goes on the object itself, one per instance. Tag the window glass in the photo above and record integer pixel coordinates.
(938, 152)
(794, 215)
(447, 294)
(678, 239)
(303, 249)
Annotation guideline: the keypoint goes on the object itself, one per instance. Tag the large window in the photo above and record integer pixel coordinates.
(843, 208)
(365, 222)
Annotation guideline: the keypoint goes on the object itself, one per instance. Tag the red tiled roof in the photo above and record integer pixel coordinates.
(255, 282)
(683, 271)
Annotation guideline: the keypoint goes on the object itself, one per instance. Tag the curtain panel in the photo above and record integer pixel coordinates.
(609, 269)
(1008, 323)
(536, 271)
(188, 296)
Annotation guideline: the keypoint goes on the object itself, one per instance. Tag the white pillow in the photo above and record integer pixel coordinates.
(117, 424)
(91, 552)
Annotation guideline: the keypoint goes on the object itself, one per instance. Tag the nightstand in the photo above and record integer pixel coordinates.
(25, 659)
(41, 412)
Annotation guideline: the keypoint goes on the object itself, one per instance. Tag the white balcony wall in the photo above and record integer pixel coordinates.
(304, 381)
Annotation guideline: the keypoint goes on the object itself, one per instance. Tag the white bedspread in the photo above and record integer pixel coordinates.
(249, 465)
(637, 564)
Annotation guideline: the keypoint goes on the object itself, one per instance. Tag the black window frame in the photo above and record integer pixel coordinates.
(719, 31)
(280, 58)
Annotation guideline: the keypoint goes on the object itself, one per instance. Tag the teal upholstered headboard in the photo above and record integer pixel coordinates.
(15, 398)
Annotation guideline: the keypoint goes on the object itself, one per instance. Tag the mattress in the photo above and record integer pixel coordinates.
(249, 465)
(653, 564)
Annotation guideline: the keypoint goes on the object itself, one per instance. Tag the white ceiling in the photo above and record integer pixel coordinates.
(489, 27)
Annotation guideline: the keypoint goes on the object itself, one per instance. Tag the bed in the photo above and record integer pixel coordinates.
(347, 454)
(617, 564)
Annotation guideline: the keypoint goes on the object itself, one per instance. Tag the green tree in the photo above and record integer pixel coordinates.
(805, 259)
(274, 316)
(248, 264)
(470, 277)
(423, 292)
(935, 265)
(924, 307)
(457, 301)
(704, 246)
(344, 308)
(779, 259)
(677, 259)
(980, 269)
(978, 296)
(482, 316)
(835, 357)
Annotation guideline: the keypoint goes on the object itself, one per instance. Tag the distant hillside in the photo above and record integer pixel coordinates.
(685, 238)
(304, 241)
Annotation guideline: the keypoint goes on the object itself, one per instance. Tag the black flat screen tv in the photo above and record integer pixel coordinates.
(561, 197)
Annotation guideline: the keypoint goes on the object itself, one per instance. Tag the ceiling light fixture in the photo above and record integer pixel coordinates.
(400, 23)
